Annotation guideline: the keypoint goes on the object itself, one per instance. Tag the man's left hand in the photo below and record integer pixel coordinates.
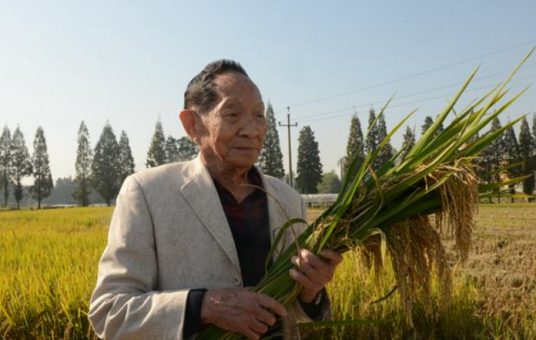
(314, 272)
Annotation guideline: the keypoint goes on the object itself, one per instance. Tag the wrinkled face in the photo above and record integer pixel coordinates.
(232, 133)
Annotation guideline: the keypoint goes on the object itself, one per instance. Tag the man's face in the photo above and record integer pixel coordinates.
(232, 133)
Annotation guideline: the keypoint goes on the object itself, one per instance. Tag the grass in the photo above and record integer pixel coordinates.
(48, 261)
(48, 266)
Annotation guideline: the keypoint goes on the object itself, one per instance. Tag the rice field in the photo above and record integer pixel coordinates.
(48, 268)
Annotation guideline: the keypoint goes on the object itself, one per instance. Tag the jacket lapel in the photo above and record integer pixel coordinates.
(203, 198)
(277, 213)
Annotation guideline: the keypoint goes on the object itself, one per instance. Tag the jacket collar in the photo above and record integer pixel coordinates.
(201, 194)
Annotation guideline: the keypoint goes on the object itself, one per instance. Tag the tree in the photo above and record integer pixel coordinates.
(5, 162)
(526, 147)
(187, 149)
(372, 142)
(511, 156)
(354, 146)
(22, 167)
(408, 141)
(330, 183)
(84, 159)
(309, 168)
(105, 165)
(377, 133)
(126, 161)
(172, 150)
(493, 155)
(271, 159)
(387, 151)
(157, 150)
(43, 183)
(534, 128)
(428, 121)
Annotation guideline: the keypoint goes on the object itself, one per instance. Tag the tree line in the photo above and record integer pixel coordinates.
(107, 166)
(104, 168)
(508, 157)
(101, 169)
(16, 164)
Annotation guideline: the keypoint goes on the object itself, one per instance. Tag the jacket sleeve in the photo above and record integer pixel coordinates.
(125, 304)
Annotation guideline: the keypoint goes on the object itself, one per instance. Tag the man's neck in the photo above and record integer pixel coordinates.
(231, 178)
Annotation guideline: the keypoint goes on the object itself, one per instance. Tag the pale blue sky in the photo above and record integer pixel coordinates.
(128, 62)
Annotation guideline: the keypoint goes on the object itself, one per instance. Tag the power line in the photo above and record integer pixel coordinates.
(301, 118)
(412, 76)
(407, 103)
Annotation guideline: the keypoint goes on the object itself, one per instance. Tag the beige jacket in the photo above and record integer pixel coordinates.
(169, 234)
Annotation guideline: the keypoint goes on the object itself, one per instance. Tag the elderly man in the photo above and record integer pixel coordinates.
(187, 239)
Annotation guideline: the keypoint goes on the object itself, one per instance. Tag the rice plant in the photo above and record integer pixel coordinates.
(387, 210)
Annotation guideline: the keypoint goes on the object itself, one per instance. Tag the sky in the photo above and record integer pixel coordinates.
(128, 63)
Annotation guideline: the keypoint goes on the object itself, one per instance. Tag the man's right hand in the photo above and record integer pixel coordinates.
(240, 311)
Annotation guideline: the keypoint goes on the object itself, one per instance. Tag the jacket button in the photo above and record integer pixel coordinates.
(237, 281)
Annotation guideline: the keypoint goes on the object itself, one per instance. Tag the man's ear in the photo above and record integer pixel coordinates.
(189, 119)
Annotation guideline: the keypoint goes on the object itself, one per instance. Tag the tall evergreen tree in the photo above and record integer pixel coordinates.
(271, 159)
(354, 146)
(105, 166)
(372, 141)
(157, 150)
(187, 149)
(5, 162)
(172, 149)
(126, 161)
(511, 156)
(408, 141)
(494, 155)
(526, 147)
(84, 159)
(43, 183)
(387, 152)
(309, 167)
(428, 121)
(22, 167)
(534, 128)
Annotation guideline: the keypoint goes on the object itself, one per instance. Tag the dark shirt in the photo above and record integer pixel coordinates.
(250, 226)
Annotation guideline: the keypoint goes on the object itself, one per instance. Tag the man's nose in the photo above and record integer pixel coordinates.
(250, 128)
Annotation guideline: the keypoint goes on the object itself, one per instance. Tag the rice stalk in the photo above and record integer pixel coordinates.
(387, 210)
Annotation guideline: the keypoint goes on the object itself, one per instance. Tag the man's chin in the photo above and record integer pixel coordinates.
(243, 162)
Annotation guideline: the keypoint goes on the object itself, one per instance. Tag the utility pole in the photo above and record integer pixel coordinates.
(288, 125)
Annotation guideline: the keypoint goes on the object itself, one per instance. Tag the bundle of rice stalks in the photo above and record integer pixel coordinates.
(388, 210)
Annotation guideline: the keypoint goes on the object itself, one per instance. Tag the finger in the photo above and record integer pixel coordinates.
(257, 326)
(333, 256)
(304, 281)
(272, 304)
(315, 268)
(320, 276)
(248, 333)
(313, 260)
(264, 316)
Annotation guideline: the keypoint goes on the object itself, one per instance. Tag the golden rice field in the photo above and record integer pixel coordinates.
(48, 267)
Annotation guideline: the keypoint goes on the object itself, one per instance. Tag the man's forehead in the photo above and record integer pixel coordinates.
(234, 87)
(230, 82)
